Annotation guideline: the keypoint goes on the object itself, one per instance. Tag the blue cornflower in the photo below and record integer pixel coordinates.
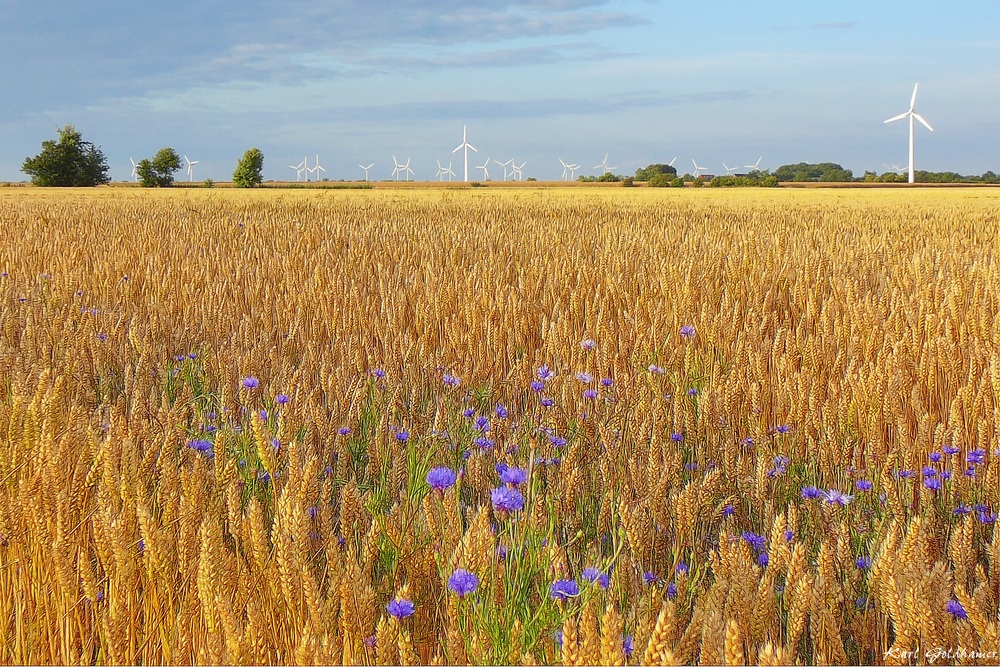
(607, 382)
(932, 483)
(441, 478)
(379, 373)
(513, 476)
(962, 510)
(502, 412)
(251, 382)
(934, 457)
(906, 474)
(537, 386)
(557, 441)
(837, 497)
(682, 568)
(547, 402)
(402, 436)
(588, 343)
(628, 645)
(545, 373)
(595, 576)
(656, 370)
(463, 582)
(468, 413)
(687, 332)
(810, 493)
(692, 392)
(650, 578)
(344, 430)
(747, 441)
(263, 415)
(762, 559)
(282, 399)
(400, 608)
(564, 589)
(863, 485)
(976, 457)
(506, 499)
(585, 378)
(202, 446)
(789, 536)
(783, 428)
(676, 437)
(728, 510)
(950, 450)
(482, 424)
(483, 442)
(590, 394)
(758, 542)
(929, 471)
(671, 590)
(955, 608)
(451, 380)
(945, 474)
(863, 562)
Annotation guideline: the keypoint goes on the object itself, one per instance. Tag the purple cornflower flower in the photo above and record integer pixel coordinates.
(782, 428)
(671, 590)
(762, 559)
(692, 392)
(590, 394)
(945, 474)
(468, 413)
(650, 578)
(344, 430)
(502, 412)
(263, 415)
(970, 471)
(506, 499)
(588, 343)
(747, 441)
(955, 608)
(103, 337)
(837, 497)
(687, 332)
(379, 373)
(976, 457)
(557, 441)
(203, 446)
(950, 450)
(441, 478)
(677, 437)
(585, 378)
(789, 536)
(371, 641)
(595, 576)
(863, 562)
(403, 436)
(934, 457)
(682, 568)
(929, 471)
(537, 386)
(282, 399)
(482, 424)
(962, 510)
(451, 380)
(463, 582)
(400, 608)
(863, 485)
(547, 402)
(313, 511)
(483, 443)
(810, 493)
(513, 476)
(628, 645)
(607, 382)
(728, 510)
(758, 542)
(564, 589)
(251, 382)
(932, 483)
(545, 373)
(656, 370)
(906, 474)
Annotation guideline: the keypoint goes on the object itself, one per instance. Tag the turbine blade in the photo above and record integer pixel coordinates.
(459, 148)
(921, 119)
(913, 98)
(899, 117)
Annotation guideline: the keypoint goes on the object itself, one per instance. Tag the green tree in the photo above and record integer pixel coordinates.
(68, 162)
(159, 172)
(646, 173)
(660, 180)
(248, 169)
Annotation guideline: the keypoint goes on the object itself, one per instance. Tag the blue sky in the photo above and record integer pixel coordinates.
(534, 80)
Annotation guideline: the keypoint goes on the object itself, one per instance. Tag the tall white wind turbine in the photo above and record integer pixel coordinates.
(756, 165)
(398, 168)
(135, 170)
(604, 165)
(299, 168)
(366, 169)
(486, 172)
(911, 114)
(729, 170)
(517, 170)
(697, 168)
(505, 165)
(190, 169)
(317, 169)
(466, 145)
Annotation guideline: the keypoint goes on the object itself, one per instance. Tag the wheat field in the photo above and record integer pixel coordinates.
(530, 426)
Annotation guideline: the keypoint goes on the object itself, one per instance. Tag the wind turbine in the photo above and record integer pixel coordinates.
(298, 170)
(516, 170)
(443, 171)
(190, 169)
(317, 168)
(399, 167)
(135, 170)
(756, 165)
(729, 170)
(305, 166)
(466, 145)
(911, 114)
(486, 172)
(450, 173)
(405, 168)
(569, 169)
(505, 165)
(604, 165)
(697, 168)
(366, 169)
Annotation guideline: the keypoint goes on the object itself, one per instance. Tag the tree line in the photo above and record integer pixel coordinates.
(69, 161)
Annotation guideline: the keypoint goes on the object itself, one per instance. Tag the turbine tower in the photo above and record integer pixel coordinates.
(517, 170)
(366, 169)
(317, 169)
(505, 165)
(466, 145)
(190, 169)
(911, 114)
(486, 172)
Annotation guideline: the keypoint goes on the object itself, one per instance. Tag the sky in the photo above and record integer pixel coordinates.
(535, 81)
